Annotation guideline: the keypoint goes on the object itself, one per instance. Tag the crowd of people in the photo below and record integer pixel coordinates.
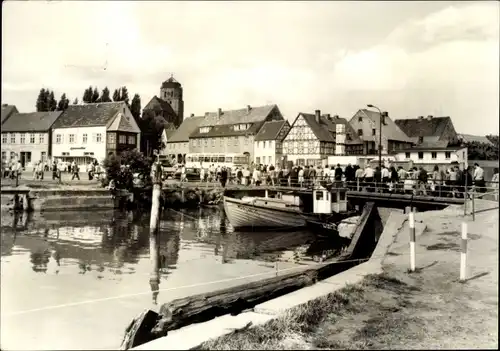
(442, 181)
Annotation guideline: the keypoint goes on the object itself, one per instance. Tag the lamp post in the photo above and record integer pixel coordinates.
(382, 115)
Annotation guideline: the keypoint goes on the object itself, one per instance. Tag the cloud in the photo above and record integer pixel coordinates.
(411, 59)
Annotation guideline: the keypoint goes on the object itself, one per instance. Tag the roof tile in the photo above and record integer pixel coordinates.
(185, 129)
(31, 122)
(270, 130)
(89, 115)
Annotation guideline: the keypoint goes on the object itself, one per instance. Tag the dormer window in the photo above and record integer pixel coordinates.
(242, 126)
(204, 129)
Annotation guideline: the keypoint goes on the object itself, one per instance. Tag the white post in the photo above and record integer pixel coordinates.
(463, 253)
(412, 241)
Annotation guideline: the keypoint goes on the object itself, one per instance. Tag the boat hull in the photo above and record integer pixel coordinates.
(243, 215)
(322, 228)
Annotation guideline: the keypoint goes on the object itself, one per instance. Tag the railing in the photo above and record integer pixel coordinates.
(408, 186)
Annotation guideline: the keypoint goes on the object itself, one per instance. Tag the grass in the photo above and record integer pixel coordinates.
(427, 309)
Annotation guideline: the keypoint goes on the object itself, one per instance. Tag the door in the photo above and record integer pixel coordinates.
(25, 158)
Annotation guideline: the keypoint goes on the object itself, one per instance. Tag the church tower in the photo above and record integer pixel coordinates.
(171, 92)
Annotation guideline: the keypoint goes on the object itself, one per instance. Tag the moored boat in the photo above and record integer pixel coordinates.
(262, 212)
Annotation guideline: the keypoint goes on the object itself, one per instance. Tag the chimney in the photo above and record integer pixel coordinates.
(429, 117)
(317, 114)
(219, 113)
(249, 108)
(420, 117)
(336, 117)
(328, 117)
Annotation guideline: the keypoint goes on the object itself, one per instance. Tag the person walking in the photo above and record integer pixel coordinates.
(90, 167)
(76, 171)
(223, 176)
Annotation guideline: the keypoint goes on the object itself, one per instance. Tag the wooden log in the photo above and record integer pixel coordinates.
(202, 307)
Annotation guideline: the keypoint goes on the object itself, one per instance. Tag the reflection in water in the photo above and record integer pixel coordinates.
(95, 255)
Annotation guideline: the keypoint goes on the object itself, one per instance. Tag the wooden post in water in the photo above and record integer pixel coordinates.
(473, 206)
(154, 281)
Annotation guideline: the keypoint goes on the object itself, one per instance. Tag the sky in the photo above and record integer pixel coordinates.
(408, 58)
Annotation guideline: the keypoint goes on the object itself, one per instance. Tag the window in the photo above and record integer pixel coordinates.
(420, 139)
(43, 156)
(4, 156)
(131, 139)
(235, 141)
(360, 132)
(221, 141)
(4, 138)
(13, 138)
(122, 139)
(72, 138)
(111, 138)
(84, 139)
(420, 155)
(65, 153)
(247, 140)
(213, 142)
(98, 138)
(206, 142)
(360, 119)
(32, 138)
(23, 138)
(204, 129)
(407, 155)
(88, 154)
(319, 195)
(12, 155)
(434, 155)
(41, 138)
(58, 139)
(374, 131)
(447, 154)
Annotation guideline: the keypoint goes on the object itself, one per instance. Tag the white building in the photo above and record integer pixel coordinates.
(268, 147)
(26, 137)
(433, 155)
(93, 131)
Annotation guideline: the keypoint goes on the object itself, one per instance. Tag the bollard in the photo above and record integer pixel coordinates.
(412, 241)
(463, 253)
(357, 185)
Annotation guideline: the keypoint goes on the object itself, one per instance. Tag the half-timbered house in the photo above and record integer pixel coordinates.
(314, 137)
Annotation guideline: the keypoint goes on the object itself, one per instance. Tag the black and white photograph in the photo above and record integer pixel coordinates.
(249, 175)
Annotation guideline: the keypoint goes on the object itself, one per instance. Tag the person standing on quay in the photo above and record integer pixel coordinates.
(494, 182)
(479, 178)
(223, 176)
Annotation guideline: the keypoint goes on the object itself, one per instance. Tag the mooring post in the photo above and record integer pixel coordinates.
(156, 174)
(357, 184)
(463, 253)
(473, 206)
(412, 241)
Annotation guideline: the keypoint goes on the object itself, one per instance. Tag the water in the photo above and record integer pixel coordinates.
(74, 280)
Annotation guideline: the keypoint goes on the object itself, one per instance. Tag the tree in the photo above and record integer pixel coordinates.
(493, 139)
(137, 162)
(42, 104)
(116, 95)
(151, 126)
(75, 102)
(105, 95)
(87, 95)
(95, 95)
(135, 107)
(52, 102)
(481, 151)
(124, 95)
(63, 103)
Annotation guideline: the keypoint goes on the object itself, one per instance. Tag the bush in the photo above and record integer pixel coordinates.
(136, 162)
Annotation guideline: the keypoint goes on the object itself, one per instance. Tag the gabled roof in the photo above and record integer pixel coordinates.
(390, 129)
(270, 130)
(423, 127)
(223, 126)
(326, 129)
(122, 124)
(185, 129)
(254, 114)
(160, 103)
(468, 138)
(31, 122)
(89, 115)
(7, 111)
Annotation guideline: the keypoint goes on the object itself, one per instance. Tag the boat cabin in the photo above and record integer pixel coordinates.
(328, 201)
